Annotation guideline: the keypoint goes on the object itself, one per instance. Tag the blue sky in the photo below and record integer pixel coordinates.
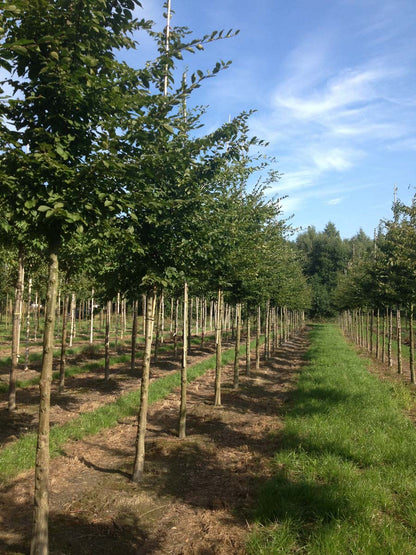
(333, 83)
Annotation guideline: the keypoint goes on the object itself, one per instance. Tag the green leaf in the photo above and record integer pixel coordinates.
(43, 208)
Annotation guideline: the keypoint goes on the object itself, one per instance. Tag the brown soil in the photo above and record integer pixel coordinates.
(198, 494)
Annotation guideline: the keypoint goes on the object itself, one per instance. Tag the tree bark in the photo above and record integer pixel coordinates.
(399, 342)
(138, 468)
(107, 342)
(248, 361)
(17, 316)
(411, 346)
(218, 345)
(28, 310)
(390, 338)
(184, 367)
(39, 544)
(134, 337)
(62, 362)
(258, 326)
(237, 347)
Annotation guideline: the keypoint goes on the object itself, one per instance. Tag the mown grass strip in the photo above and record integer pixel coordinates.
(344, 478)
(20, 455)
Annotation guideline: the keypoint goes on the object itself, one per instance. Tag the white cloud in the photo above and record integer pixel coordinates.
(335, 201)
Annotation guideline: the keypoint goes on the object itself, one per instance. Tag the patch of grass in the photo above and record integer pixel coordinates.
(344, 477)
(20, 455)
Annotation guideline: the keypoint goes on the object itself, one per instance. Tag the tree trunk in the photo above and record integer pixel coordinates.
(39, 544)
(28, 310)
(399, 342)
(248, 361)
(72, 331)
(92, 318)
(258, 327)
(237, 347)
(17, 315)
(175, 336)
(218, 345)
(62, 362)
(134, 337)
(411, 346)
(107, 342)
(144, 392)
(390, 338)
(184, 367)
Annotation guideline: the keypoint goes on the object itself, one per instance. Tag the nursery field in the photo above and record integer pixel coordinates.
(313, 453)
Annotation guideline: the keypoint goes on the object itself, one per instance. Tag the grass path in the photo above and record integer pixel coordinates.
(344, 478)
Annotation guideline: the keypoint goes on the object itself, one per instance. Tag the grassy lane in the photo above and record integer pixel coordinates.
(344, 478)
(20, 455)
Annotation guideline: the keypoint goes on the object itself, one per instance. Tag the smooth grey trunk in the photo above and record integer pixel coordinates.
(39, 544)
(17, 316)
(184, 367)
(138, 467)
(62, 361)
(218, 350)
(237, 346)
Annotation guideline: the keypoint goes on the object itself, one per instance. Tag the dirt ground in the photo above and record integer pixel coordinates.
(198, 494)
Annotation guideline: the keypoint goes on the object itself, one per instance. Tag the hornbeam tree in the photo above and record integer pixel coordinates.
(59, 142)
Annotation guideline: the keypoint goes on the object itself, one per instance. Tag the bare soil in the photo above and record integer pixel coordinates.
(198, 494)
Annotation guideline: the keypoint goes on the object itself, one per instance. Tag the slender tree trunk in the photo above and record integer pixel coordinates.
(266, 331)
(92, 318)
(39, 544)
(162, 318)
(62, 362)
(28, 310)
(117, 322)
(107, 341)
(134, 337)
(17, 316)
(248, 360)
(237, 347)
(190, 309)
(138, 468)
(218, 363)
(203, 320)
(158, 317)
(72, 331)
(175, 337)
(371, 331)
(378, 334)
(411, 346)
(399, 342)
(390, 338)
(184, 367)
(258, 329)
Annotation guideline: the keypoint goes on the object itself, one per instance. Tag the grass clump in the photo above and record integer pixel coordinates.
(344, 476)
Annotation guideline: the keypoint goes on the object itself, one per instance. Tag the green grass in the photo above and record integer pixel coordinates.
(344, 478)
(20, 455)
